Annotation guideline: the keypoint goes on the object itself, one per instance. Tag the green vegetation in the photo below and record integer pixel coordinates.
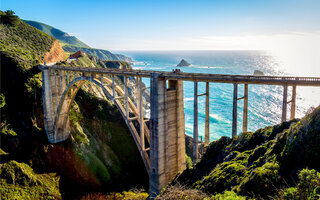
(21, 42)
(260, 164)
(61, 36)
(308, 187)
(19, 181)
(103, 144)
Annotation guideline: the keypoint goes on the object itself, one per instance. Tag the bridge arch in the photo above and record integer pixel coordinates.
(61, 119)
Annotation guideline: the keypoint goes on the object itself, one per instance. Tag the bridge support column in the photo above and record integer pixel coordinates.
(167, 134)
(234, 112)
(195, 123)
(207, 120)
(293, 102)
(48, 108)
(245, 109)
(52, 91)
(284, 103)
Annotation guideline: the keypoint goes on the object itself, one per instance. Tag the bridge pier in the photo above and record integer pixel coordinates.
(53, 87)
(284, 103)
(293, 102)
(207, 120)
(167, 134)
(245, 109)
(234, 111)
(195, 123)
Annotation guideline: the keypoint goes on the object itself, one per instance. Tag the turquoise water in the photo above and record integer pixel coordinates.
(264, 101)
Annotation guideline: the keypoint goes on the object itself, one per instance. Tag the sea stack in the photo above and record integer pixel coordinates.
(183, 63)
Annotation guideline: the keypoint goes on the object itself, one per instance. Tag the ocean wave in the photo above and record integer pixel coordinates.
(216, 116)
(138, 68)
(206, 67)
(140, 63)
(188, 99)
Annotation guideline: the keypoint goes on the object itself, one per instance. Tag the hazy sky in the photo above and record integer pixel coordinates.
(172, 25)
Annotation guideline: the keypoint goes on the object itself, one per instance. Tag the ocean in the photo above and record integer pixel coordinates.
(265, 102)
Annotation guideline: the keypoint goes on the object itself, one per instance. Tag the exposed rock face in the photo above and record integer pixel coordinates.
(78, 54)
(183, 63)
(55, 54)
(258, 73)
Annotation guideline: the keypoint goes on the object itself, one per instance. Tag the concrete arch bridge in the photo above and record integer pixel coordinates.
(162, 146)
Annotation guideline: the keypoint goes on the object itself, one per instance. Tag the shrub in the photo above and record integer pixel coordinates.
(307, 188)
(228, 195)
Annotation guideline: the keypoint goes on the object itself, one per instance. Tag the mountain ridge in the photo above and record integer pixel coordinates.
(72, 44)
(60, 35)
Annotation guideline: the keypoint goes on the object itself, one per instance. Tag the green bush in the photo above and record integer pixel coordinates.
(307, 188)
(19, 181)
(228, 195)
(188, 162)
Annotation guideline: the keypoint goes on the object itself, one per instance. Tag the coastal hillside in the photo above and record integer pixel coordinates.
(25, 45)
(275, 162)
(100, 154)
(72, 44)
(61, 36)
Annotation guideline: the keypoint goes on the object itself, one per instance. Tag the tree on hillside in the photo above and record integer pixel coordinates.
(8, 17)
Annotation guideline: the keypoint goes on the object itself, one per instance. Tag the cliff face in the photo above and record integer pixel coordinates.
(56, 53)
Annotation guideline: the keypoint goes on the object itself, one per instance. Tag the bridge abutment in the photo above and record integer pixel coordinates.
(167, 141)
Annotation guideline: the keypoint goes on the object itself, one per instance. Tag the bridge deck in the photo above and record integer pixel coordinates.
(220, 78)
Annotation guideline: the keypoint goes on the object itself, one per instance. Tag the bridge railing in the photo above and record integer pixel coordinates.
(200, 77)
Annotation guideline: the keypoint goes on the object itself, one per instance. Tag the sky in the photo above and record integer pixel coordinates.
(277, 25)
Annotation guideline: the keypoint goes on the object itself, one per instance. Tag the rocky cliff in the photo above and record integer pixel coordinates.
(56, 53)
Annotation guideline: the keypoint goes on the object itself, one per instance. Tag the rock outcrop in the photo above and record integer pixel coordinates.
(183, 63)
(56, 53)
(78, 54)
